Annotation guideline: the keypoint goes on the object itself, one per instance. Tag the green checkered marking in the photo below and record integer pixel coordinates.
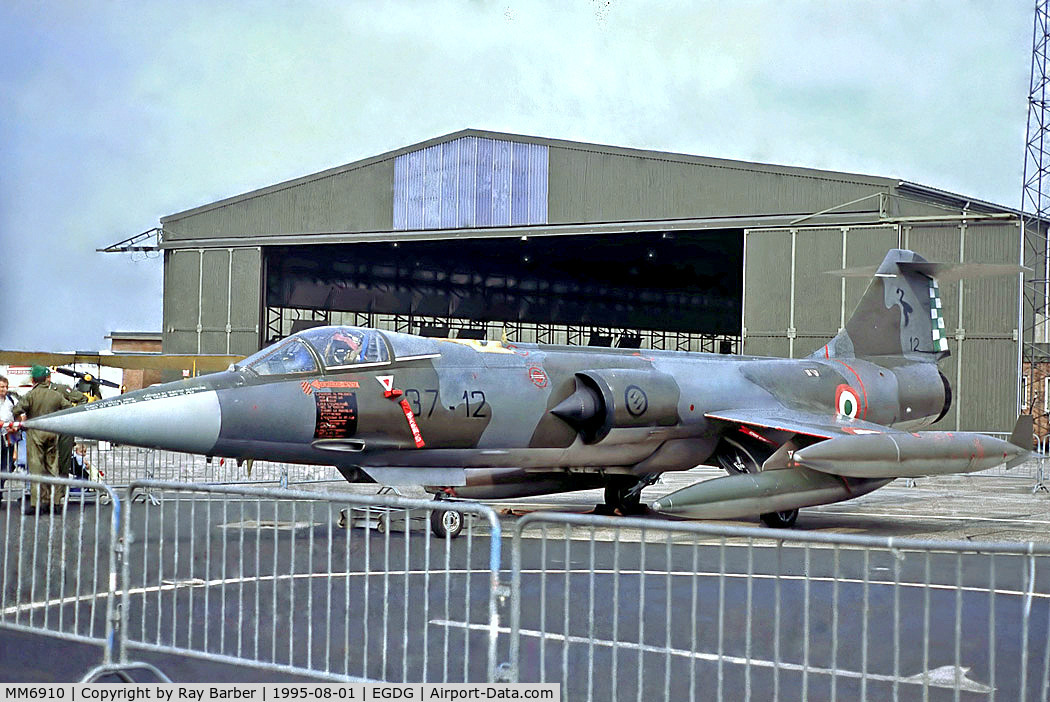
(940, 340)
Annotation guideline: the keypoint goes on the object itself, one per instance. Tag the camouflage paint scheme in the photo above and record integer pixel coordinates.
(483, 419)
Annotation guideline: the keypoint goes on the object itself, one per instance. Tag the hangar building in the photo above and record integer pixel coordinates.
(478, 234)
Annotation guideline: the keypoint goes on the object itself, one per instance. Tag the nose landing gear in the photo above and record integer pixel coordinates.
(445, 523)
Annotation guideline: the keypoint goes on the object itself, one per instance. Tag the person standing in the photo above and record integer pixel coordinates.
(43, 458)
(65, 441)
(7, 438)
(80, 468)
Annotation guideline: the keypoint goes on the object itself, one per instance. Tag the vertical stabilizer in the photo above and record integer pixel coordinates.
(899, 315)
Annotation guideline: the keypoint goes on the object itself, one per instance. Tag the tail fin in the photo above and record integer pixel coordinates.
(900, 314)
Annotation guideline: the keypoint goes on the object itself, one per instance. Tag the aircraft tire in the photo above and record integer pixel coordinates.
(738, 456)
(616, 496)
(780, 520)
(446, 523)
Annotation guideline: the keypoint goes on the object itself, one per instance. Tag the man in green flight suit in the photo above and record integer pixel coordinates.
(42, 446)
(65, 441)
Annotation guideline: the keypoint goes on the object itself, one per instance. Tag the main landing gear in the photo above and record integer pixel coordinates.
(623, 493)
(739, 455)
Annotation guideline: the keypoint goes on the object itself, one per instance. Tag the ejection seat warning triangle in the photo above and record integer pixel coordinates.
(387, 381)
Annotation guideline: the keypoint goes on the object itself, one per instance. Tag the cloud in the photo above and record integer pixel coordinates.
(123, 113)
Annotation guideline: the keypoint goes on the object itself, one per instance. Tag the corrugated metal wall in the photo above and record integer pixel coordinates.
(595, 186)
(360, 199)
(211, 300)
(791, 307)
(471, 182)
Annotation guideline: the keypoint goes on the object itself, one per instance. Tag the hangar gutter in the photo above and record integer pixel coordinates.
(778, 221)
(511, 232)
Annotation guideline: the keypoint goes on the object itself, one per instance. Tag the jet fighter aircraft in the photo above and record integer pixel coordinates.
(491, 420)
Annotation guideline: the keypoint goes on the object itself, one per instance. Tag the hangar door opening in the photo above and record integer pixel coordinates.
(791, 307)
(678, 290)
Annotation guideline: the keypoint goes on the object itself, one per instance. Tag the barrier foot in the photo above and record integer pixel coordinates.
(144, 495)
(1039, 487)
(123, 671)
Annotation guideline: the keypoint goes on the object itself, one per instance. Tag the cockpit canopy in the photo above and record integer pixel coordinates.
(329, 347)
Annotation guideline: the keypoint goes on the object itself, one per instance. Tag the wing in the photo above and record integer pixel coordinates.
(821, 426)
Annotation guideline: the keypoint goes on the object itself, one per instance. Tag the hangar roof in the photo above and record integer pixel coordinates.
(474, 183)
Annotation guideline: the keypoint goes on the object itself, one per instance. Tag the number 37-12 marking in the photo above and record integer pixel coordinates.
(474, 402)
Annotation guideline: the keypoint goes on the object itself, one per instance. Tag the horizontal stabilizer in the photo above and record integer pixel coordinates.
(943, 272)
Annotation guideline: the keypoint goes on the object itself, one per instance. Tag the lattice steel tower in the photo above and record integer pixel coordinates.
(1035, 207)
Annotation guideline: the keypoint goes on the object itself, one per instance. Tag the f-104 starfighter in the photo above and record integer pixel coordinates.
(492, 420)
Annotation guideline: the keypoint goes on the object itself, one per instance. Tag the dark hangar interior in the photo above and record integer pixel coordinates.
(481, 234)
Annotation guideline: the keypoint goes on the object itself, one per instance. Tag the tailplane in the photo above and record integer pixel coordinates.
(901, 314)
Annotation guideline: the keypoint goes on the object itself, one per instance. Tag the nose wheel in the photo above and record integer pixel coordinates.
(445, 523)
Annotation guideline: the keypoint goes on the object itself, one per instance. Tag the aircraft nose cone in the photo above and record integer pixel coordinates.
(578, 407)
(156, 419)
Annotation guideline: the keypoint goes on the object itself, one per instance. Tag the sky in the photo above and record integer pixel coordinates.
(115, 114)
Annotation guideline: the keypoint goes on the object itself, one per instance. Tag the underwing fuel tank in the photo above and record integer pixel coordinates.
(749, 494)
(907, 455)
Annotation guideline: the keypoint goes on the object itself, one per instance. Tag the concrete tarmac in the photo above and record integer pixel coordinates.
(609, 617)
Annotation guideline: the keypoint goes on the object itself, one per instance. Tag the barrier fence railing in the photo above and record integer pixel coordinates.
(612, 608)
(119, 465)
(60, 566)
(270, 578)
(703, 612)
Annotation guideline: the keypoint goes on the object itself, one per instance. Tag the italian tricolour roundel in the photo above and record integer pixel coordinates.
(846, 401)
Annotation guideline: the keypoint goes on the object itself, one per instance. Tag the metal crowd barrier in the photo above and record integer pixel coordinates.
(120, 465)
(619, 609)
(706, 612)
(267, 578)
(59, 569)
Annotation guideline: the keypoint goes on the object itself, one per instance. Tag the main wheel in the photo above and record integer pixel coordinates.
(446, 523)
(780, 520)
(617, 495)
(738, 456)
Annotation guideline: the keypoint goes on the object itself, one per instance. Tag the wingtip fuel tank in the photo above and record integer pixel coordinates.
(903, 455)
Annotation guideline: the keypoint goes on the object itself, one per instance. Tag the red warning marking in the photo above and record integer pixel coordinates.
(317, 384)
(755, 435)
(417, 436)
(310, 385)
(387, 381)
(538, 377)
